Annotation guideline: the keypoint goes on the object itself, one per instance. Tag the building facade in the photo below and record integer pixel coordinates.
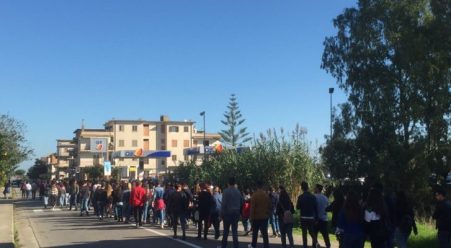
(137, 148)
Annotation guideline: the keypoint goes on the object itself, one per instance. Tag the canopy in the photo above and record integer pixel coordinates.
(142, 154)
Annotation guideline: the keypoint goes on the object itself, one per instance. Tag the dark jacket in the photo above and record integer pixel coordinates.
(206, 202)
(178, 202)
(442, 215)
(307, 205)
(283, 205)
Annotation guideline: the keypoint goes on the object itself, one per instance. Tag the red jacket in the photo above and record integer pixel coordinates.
(138, 197)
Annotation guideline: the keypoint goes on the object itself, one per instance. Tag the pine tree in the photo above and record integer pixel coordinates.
(234, 135)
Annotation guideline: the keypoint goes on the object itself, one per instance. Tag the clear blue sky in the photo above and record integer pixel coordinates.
(63, 61)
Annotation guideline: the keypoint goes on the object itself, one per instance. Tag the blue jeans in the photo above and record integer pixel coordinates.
(62, 200)
(84, 206)
(230, 220)
(262, 226)
(274, 221)
(245, 222)
(145, 211)
(162, 216)
(126, 211)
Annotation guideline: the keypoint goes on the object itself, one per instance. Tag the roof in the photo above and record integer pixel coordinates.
(148, 122)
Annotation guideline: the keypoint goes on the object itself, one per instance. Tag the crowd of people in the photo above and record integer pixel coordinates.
(386, 220)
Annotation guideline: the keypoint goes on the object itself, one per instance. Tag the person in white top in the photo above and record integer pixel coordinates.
(28, 189)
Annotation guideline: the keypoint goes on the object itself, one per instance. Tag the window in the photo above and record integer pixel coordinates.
(174, 129)
(121, 128)
(163, 162)
(174, 143)
(163, 147)
(185, 129)
(121, 143)
(121, 159)
(163, 141)
(174, 157)
(134, 143)
(134, 128)
(194, 142)
(186, 143)
(163, 128)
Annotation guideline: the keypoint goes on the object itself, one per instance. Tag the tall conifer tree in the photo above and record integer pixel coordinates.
(234, 135)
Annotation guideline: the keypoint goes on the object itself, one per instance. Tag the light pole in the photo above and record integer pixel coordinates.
(203, 115)
(331, 91)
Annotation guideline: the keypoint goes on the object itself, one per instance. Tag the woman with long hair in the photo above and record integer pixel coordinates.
(404, 220)
(350, 222)
(285, 224)
(376, 219)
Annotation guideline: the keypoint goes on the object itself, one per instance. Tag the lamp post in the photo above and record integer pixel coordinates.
(331, 91)
(203, 115)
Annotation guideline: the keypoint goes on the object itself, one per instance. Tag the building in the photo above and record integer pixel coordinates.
(138, 148)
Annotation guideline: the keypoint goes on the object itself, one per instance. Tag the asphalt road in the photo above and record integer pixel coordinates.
(39, 227)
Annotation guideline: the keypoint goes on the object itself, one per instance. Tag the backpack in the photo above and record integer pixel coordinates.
(288, 217)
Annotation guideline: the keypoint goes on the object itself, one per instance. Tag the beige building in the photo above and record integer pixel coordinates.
(158, 146)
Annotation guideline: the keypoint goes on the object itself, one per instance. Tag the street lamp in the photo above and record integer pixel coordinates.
(331, 91)
(203, 115)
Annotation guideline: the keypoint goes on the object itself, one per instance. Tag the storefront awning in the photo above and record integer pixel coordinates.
(141, 154)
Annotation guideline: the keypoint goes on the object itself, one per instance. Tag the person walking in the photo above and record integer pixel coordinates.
(261, 210)
(125, 199)
(53, 194)
(246, 212)
(85, 194)
(178, 203)
(100, 197)
(404, 220)
(350, 222)
(62, 195)
(7, 189)
(442, 216)
(376, 218)
(285, 223)
(232, 201)
(28, 189)
(322, 203)
(335, 207)
(205, 205)
(74, 190)
(216, 209)
(274, 218)
(309, 214)
(137, 200)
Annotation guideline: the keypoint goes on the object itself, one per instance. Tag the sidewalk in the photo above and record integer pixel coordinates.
(7, 226)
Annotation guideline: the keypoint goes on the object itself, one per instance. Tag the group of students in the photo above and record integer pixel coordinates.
(385, 220)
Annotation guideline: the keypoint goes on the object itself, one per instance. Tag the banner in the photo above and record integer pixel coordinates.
(107, 168)
(98, 144)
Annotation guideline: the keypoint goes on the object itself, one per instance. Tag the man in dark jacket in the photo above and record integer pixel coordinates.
(206, 202)
(178, 203)
(309, 214)
(442, 215)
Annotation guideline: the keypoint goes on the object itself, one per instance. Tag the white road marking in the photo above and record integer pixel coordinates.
(169, 237)
(46, 210)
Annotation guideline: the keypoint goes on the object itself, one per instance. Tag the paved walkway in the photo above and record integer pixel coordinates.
(40, 227)
(7, 221)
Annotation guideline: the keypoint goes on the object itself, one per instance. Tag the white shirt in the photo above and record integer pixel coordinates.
(371, 216)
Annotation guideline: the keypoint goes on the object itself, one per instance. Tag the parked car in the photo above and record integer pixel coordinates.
(16, 183)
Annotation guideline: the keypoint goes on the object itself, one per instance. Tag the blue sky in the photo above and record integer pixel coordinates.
(64, 61)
